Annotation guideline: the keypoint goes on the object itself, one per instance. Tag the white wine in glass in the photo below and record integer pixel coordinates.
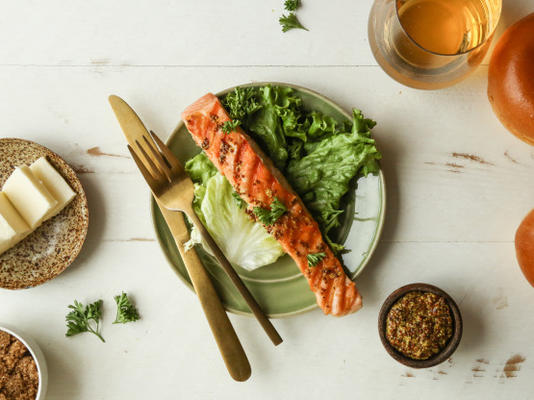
(430, 44)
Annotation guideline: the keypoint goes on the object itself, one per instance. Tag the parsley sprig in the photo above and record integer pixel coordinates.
(315, 258)
(84, 318)
(291, 5)
(240, 202)
(230, 126)
(290, 21)
(126, 311)
(269, 216)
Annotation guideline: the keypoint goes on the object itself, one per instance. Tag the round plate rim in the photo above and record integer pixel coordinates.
(380, 222)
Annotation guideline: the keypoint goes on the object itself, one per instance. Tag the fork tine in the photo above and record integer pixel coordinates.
(148, 176)
(160, 161)
(150, 165)
(167, 153)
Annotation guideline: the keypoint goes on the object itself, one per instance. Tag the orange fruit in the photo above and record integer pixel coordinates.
(524, 246)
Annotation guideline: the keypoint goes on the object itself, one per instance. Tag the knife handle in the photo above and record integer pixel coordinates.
(267, 326)
(229, 345)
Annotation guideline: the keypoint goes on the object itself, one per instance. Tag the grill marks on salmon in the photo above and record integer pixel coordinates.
(258, 182)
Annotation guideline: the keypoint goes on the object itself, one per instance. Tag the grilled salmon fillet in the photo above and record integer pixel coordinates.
(254, 177)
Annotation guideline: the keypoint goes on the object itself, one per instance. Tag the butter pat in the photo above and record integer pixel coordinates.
(29, 196)
(54, 183)
(12, 227)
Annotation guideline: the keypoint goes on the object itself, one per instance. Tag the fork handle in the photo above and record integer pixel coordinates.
(229, 345)
(236, 280)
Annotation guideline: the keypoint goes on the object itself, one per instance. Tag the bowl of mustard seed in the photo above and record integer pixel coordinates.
(23, 372)
(420, 325)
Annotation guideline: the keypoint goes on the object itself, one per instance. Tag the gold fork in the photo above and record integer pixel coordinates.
(174, 189)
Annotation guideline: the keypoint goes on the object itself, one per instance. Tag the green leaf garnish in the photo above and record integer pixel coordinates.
(291, 5)
(84, 319)
(240, 202)
(230, 126)
(289, 22)
(241, 103)
(126, 311)
(269, 216)
(315, 258)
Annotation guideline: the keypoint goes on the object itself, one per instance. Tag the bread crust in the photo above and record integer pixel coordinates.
(511, 79)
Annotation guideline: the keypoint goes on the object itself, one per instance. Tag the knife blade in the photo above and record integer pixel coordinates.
(131, 125)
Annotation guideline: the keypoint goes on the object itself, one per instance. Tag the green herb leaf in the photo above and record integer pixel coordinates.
(291, 5)
(230, 126)
(126, 311)
(289, 22)
(270, 216)
(240, 202)
(315, 258)
(84, 319)
(337, 248)
(241, 103)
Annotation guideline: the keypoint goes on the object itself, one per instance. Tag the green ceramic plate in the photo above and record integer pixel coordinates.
(280, 288)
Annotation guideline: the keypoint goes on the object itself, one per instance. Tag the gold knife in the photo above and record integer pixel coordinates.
(229, 345)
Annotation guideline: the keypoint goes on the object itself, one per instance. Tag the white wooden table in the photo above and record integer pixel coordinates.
(450, 220)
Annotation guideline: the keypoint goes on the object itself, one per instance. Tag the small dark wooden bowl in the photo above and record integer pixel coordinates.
(456, 328)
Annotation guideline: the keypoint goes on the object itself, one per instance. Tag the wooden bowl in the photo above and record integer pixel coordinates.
(451, 345)
(57, 242)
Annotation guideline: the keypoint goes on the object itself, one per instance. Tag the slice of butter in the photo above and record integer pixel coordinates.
(12, 227)
(29, 196)
(54, 183)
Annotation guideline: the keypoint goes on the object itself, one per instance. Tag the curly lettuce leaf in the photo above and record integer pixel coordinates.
(200, 168)
(271, 114)
(323, 176)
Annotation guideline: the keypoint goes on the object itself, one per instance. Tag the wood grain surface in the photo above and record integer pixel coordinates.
(458, 186)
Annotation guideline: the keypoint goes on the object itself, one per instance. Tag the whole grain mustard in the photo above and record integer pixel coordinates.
(419, 325)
